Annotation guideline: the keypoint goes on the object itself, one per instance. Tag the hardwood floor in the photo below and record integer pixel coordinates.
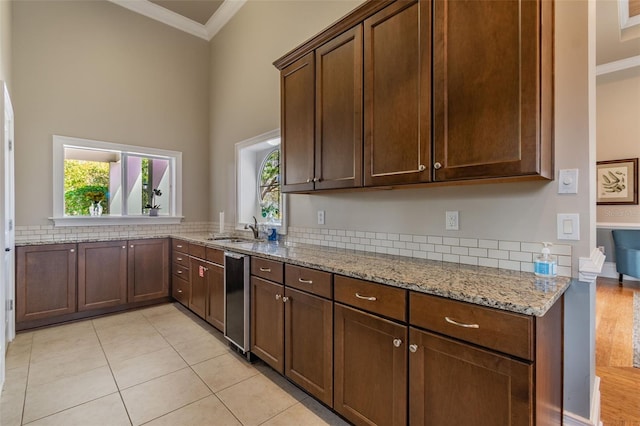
(620, 382)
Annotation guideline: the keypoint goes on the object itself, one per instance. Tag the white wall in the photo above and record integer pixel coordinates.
(94, 70)
(245, 102)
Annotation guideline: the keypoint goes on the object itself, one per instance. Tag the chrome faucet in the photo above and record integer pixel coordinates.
(253, 227)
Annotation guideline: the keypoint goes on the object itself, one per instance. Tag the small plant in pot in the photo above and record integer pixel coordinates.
(153, 207)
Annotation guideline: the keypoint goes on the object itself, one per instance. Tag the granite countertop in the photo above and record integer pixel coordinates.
(519, 292)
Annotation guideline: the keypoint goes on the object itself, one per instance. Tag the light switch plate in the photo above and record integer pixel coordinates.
(568, 226)
(568, 181)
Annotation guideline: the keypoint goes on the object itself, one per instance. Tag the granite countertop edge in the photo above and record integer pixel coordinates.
(519, 292)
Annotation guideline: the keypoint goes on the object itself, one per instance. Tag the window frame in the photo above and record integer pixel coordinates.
(240, 180)
(175, 201)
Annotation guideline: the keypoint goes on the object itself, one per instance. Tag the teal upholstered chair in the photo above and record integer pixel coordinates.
(627, 244)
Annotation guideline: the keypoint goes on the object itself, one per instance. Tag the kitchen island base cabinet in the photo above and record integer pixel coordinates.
(148, 263)
(102, 275)
(370, 368)
(453, 383)
(45, 281)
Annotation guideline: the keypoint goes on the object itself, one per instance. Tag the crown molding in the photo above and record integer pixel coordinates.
(219, 19)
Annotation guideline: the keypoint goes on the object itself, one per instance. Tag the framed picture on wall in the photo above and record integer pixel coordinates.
(617, 181)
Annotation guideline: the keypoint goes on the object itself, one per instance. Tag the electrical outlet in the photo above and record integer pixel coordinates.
(451, 221)
(320, 217)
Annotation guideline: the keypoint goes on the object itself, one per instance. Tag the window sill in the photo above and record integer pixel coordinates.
(115, 220)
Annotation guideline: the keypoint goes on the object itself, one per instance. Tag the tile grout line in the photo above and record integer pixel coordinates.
(26, 385)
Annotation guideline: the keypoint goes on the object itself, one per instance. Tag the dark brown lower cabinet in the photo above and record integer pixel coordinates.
(454, 383)
(45, 281)
(214, 308)
(198, 297)
(148, 264)
(370, 368)
(308, 340)
(102, 275)
(267, 322)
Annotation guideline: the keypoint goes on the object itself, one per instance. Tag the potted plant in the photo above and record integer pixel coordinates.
(153, 207)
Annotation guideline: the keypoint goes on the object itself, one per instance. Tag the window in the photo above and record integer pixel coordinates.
(116, 183)
(258, 181)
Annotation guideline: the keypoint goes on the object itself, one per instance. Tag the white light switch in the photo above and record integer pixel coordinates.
(568, 226)
(568, 181)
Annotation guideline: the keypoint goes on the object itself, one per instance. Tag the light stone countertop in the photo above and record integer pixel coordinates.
(519, 292)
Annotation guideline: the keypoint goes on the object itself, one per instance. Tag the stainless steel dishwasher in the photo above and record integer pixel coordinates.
(236, 301)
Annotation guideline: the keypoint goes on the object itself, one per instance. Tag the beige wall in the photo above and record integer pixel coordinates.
(618, 131)
(92, 69)
(245, 102)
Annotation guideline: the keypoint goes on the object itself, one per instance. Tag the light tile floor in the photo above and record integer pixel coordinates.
(154, 366)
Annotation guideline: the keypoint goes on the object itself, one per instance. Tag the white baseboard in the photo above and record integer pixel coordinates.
(609, 271)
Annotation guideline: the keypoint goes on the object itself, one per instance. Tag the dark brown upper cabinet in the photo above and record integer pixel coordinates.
(397, 94)
(435, 91)
(492, 89)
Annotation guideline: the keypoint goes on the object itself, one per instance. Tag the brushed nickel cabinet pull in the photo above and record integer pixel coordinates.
(285, 299)
(179, 246)
(179, 259)
(72, 250)
(124, 246)
(422, 167)
(300, 280)
(179, 272)
(413, 348)
(460, 324)
(369, 298)
(397, 342)
(278, 297)
(179, 291)
(437, 166)
(265, 269)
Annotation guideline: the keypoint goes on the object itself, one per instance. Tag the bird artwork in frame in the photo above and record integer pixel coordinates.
(617, 182)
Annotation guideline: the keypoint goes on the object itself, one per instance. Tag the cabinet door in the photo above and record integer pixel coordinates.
(338, 141)
(102, 275)
(370, 368)
(309, 343)
(148, 264)
(453, 383)
(397, 94)
(198, 298)
(215, 296)
(297, 85)
(267, 322)
(45, 281)
(487, 82)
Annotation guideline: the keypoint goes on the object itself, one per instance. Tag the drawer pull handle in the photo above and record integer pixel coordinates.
(72, 250)
(413, 348)
(179, 259)
(179, 246)
(278, 297)
(179, 291)
(300, 280)
(397, 342)
(459, 324)
(285, 299)
(265, 269)
(179, 272)
(369, 298)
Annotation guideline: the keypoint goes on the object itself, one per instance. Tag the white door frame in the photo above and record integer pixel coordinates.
(7, 233)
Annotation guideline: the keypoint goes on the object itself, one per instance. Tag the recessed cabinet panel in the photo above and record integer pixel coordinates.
(339, 112)
(102, 275)
(297, 83)
(487, 89)
(397, 94)
(148, 269)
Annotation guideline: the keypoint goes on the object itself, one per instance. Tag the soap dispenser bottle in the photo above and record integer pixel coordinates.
(545, 264)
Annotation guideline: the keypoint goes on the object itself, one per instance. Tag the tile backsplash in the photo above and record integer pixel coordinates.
(512, 255)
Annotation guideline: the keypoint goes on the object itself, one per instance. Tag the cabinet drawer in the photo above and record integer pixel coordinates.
(499, 330)
(180, 245)
(268, 269)
(377, 298)
(311, 280)
(181, 290)
(181, 271)
(215, 255)
(180, 259)
(196, 250)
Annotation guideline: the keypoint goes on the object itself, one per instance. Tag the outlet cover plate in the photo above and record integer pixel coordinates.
(320, 217)
(451, 221)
